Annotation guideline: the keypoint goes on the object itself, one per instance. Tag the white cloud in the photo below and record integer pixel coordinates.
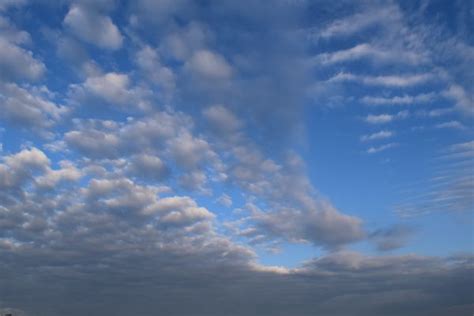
(189, 151)
(389, 80)
(464, 101)
(148, 60)
(385, 118)
(67, 172)
(361, 21)
(113, 88)
(222, 119)
(29, 107)
(32, 158)
(148, 167)
(451, 124)
(209, 65)
(225, 200)
(18, 63)
(376, 136)
(371, 53)
(399, 100)
(93, 27)
(373, 150)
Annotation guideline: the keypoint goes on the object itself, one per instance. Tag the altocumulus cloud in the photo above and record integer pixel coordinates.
(150, 155)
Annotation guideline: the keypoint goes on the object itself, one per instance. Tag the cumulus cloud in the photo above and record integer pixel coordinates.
(112, 88)
(29, 107)
(18, 63)
(149, 61)
(93, 27)
(148, 167)
(221, 119)
(209, 65)
(118, 209)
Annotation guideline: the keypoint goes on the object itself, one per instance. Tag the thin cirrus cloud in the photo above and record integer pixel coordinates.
(399, 100)
(383, 134)
(374, 150)
(369, 52)
(384, 80)
(386, 118)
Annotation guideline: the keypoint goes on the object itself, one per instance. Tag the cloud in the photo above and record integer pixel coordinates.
(112, 88)
(149, 62)
(29, 106)
(225, 200)
(449, 189)
(189, 151)
(389, 80)
(5, 4)
(93, 27)
(451, 124)
(373, 150)
(148, 167)
(221, 119)
(391, 238)
(399, 100)
(18, 63)
(464, 101)
(385, 118)
(361, 21)
(209, 65)
(376, 136)
(323, 225)
(369, 52)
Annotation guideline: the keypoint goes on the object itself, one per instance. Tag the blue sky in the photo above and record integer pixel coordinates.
(276, 141)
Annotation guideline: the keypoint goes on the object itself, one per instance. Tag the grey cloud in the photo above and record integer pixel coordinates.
(149, 61)
(464, 101)
(123, 247)
(148, 167)
(29, 106)
(93, 27)
(322, 226)
(392, 238)
(18, 63)
(110, 88)
(209, 65)
(222, 120)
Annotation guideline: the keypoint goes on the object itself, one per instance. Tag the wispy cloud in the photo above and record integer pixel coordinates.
(376, 136)
(451, 124)
(373, 150)
(400, 100)
(369, 52)
(386, 118)
(385, 80)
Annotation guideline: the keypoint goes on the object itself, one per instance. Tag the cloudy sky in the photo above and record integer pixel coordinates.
(236, 158)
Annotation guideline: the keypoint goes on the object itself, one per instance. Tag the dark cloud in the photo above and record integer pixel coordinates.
(392, 238)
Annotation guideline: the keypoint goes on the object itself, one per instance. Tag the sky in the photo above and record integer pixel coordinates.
(236, 158)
